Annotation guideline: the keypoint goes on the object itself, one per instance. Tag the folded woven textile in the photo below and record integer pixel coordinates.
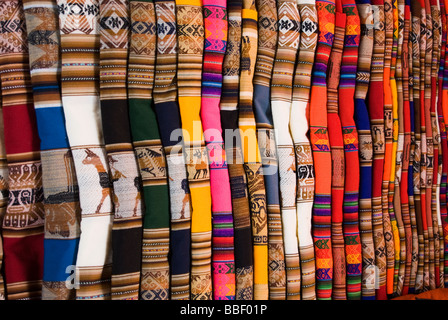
(437, 174)
(169, 121)
(127, 225)
(376, 114)
(251, 151)
(190, 41)
(441, 192)
(232, 139)
(362, 120)
(422, 281)
(23, 222)
(389, 155)
(428, 273)
(396, 84)
(435, 210)
(299, 127)
(346, 93)
(223, 263)
(321, 151)
(62, 211)
(155, 272)
(410, 190)
(443, 112)
(267, 46)
(281, 104)
(337, 157)
(3, 196)
(80, 44)
(406, 168)
(418, 261)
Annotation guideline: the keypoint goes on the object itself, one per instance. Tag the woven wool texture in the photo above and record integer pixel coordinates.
(127, 225)
(281, 104)
(302, 148)
(251, 151)
(346, 93)
(337, 157)
(4, 197)
(149, 152)
(389, 132)
(154, 282)
(223, 150)
(362, 120)
(267, 47)
(321, 151)
(62, 211)
(169, 120)
(376, 114)
(232, 138)
(80, 45)
(223, 263)
(23, 222)
(190, 36)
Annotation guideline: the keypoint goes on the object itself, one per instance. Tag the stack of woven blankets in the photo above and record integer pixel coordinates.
(223, 149)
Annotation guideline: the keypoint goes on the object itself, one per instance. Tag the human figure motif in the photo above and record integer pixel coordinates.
(138, 197)
(186, 198)
(115, 176)
(202, 166)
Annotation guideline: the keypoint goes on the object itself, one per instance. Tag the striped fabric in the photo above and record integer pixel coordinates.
(155, 277)
(437, 38)
(337, 158)
(23, 222)
(441, 196)
(346, 110)
(435, 208)
(321, 152)
(416, 27)
(169, 121)
(251, 152)
(404, 183)
(389, 155)
(437, 176)
(445, 116)
(376, 115)
(362, 120)
(443, 112)
(3, 196)
(267, 46)
(127, 225)
(394, 202)
(428, 275)
(80, 98)
(281, 97)
(232, 139)
(426, 30)
(304, 160)
(398, 99)
(190, 38)
(61, 198)
(223, 264)
(412, 208)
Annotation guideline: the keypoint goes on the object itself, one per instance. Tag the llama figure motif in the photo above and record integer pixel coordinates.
(93, 159)
(121, 188)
